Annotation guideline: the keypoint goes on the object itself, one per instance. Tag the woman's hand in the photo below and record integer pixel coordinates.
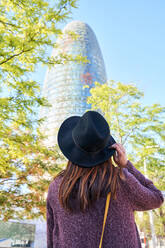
(120, 156)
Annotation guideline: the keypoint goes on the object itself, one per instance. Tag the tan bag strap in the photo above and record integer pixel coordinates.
(105, 217)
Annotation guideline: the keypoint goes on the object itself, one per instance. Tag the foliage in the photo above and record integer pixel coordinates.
(140, 128)
(28, 30)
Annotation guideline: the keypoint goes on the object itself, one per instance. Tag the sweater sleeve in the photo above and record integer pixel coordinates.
(49, 221)
(141, 192)
(139, 176)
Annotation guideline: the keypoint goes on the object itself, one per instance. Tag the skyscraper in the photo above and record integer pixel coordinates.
(63, 85)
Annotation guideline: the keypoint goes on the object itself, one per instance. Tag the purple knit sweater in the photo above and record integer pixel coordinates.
(83, 230)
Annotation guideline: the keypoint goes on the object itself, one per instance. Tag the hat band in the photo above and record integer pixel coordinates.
(91, 152)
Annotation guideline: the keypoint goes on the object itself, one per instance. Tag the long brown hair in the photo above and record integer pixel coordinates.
(81, 187)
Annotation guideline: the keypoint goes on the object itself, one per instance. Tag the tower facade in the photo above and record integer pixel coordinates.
(63, 85)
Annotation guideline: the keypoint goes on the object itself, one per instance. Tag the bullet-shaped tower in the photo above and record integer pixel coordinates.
(63, 85)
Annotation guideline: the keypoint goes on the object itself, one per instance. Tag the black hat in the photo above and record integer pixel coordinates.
(85, 140)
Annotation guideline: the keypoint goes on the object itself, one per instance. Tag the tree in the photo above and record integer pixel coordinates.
(140, 128)
(28, 30)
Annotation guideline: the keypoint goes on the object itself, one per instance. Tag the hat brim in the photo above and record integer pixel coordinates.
(74, 153)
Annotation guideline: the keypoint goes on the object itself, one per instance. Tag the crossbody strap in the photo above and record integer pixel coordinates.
(105, 217)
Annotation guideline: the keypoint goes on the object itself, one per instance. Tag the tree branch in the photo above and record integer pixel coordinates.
(9, 24)
(16, 55)
(118, 126)
(6, 179)
(128, 135)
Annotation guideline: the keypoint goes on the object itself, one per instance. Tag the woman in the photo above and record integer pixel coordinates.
(77, 196)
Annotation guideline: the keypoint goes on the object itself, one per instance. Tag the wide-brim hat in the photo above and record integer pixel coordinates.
(85, 140)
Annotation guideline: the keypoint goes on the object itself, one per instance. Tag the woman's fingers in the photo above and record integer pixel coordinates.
(122, 148)
(120, 156)
(118, 148)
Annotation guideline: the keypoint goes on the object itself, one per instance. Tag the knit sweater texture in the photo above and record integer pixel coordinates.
(83, 230)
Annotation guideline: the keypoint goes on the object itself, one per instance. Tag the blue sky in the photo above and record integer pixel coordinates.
(131, 35)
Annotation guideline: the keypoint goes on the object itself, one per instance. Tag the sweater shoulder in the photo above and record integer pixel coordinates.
(55, 183)
(54, 186)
